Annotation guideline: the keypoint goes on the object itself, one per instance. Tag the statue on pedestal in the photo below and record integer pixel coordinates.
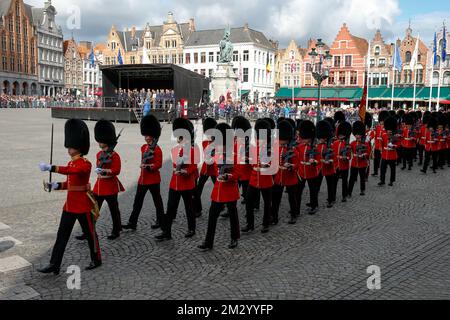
(226, 47)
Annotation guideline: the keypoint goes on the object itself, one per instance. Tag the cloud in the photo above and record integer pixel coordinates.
(282, 20)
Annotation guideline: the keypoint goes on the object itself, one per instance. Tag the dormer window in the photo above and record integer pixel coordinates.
(377, 50)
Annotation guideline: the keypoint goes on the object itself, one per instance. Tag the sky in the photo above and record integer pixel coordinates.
(282, 20)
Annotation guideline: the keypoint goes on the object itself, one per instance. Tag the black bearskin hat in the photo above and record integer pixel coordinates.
(272, 123)
(359, 128)
(262, 124)
(419, 114)
(408, 119)
(292, 122)
(105, 132)
(442, 120)
(401, 113)
(426, 118)
(223, 128)
(286, 130)
(181, 123)
(209, 123)
(432, 123)
(344, 129)
(390, 124)
(339, 116)
(368, 120)
(392, 113)
(331, 123)
(241, 122)
(298, 123)
(307, 130)
(324, 130)
(280, 119)
(384, 114)
(150, 126)
(76, 135)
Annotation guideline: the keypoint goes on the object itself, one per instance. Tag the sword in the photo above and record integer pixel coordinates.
(46, 188)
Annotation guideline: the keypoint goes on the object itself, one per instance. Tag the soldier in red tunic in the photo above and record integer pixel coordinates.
(389, 155)
(422, 135)
(261, 181)
(182, 184)
(379, 131)
(286, 176)
(328, 160)
(79, 203)
(341, 148)
(225, 191)
(150, 178)
(442, 124)
(309, 164)
(361, 150)
(108, 186)
(432, 145)
(208, 170)
(409, 136)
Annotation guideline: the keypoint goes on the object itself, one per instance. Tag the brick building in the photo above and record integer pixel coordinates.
(289, 63)
(308, 67)
(349, 60)
(73, 68)
(18, 53)
(380, 73)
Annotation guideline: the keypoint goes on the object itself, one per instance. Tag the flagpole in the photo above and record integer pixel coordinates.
(368, 77)
(393, 76)
(439, 87)
(416, 52)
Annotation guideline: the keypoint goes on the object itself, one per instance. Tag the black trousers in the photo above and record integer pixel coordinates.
(244, 184)
(442, 157)
(172, 208)
(331, 187)
(384, 164)
(354, 177)
(252, 196)
(65, 230)
(376, 161)
(314, 186)
(199, 190)
(214, 213)
(400, 154)
(139, 201)
(343, 175)
(408, 157)
(113, 205)
(421, 149)
(428, 156)
(277, 195)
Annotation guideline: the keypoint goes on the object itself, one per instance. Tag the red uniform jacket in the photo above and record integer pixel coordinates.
(442, 140)
(196, 161)
(423, 135)
(328, 165)
(343, 154)
(389, 152)
(432, 142)
(109, 184)
(287, 177)
(360, 158)
(227, 191)
(185, 181)
(151, 176)
(244, 171)
(379, 131)
(207, 169)
(258, 179)
(78, 171)
(309, 162)
(409, 139)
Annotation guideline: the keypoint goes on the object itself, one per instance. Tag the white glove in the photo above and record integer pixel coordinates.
(54, 185)
(390, 145)
(45, 167)
(98, 170)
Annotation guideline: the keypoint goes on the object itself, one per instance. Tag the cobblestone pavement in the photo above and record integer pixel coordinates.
(403, 230)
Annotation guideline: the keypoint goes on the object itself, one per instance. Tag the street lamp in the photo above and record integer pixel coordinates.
(321, 69)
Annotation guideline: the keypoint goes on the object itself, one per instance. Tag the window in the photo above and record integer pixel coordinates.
(342, 79)
(113, 60)
(407, 76)
(382, 62)
(375, 79)
(245, 76)
(331, 79)
(160, 58)
(217, 56)
(235, 56)
(11, 64)
(354, 77)
(210, 72)
(377, 50)
(166, 58)
(133, 60)
(203, 72)
(296, 81)
(348, 61)
(308, 67)
(167, 44)
(113, 45)
(188, 58)
(420, 76)
(174, 43)
(287, 81)
(397, 76)
(246, 55)
(174, 58)
(203, 57)
(337, 61)
(149, 45)
(384, 79)
(259, 57)
(372, 63)
(408, 57)
(211, 56)
(195, 57)
(18, 27)
(4, 64)
(11, 44)
(4, 42)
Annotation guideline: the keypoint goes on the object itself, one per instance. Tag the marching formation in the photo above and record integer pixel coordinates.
(267, 161)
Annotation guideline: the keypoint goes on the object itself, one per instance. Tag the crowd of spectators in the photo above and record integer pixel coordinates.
(153, 99)
(66, 100)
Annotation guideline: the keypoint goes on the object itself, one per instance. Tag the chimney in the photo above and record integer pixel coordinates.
(133, 31)
(170, 17)
(191, 25)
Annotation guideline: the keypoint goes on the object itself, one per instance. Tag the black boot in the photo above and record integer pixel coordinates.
(93, 265)
(204, 247)
(51, 268)
(233, 244)
(293, 220)
(156, 225)
(129, 226)
(163, 236)
(265, 229)
(113, 236)
(190, 234)
(81, 237)
(248, 229)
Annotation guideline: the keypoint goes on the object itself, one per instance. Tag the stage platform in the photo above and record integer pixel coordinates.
(112, 114)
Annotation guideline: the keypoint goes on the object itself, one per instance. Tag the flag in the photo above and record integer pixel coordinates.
(397, 59)
(268, 67)
(119, 58)
(92, 58)
(435, 50)
(444, 45)
(145, 58)
(413, 62)
(362, 106)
